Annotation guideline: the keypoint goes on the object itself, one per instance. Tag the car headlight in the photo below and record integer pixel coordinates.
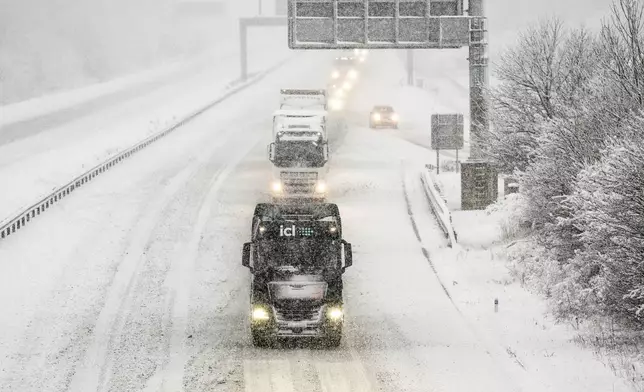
(335, 104)
(376, 116)
(335, 313)
(320, 187)
(276, 186)
(395, 117)
(260, 314)
(353, 74)
(335, 74)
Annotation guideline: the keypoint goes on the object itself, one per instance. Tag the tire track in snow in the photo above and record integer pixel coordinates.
(93, 372)
(181, 273)
(424, 250)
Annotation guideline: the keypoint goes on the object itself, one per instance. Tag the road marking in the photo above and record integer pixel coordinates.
(268, 376)
(342, 377)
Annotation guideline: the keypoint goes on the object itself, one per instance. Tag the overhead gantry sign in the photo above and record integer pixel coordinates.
(408, 24)
(378, 24)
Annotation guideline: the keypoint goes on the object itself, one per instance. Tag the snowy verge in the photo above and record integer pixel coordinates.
(12, 224)
(51, 103)
(488, 292)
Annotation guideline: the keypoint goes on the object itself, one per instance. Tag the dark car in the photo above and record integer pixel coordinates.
(383, 116)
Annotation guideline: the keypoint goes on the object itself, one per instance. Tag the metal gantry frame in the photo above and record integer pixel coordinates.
(330, 30)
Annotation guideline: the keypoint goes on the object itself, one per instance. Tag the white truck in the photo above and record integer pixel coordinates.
(299, 151)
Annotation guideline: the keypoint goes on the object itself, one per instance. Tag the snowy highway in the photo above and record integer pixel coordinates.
(135, 282)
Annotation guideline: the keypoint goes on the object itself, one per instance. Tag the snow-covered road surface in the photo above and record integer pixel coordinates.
(49, 151)
(135, 283)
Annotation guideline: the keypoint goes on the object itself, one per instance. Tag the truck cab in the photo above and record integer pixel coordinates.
(296, 257)
(299, 166)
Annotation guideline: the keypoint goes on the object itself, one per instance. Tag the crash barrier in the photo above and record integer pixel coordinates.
(438, 204)
(22, 218)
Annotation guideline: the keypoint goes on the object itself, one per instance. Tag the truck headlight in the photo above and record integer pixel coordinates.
(376, 116)
(276, 186)
(335, 74)
(336, 104)
(260, 314)
(320, 187)
(353, 74)
(395, 117)
(335, 313)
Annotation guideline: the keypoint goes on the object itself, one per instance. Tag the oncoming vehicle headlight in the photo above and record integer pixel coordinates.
(335, 313)
(395, 117)
(376, 116)
(335, 104)
(260, 314)
(353, 74)
(276, 186)
(320, 187)
(335, 74)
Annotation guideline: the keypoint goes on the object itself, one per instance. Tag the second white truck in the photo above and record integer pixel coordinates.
(299, 151)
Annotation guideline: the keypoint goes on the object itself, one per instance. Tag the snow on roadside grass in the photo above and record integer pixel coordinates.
(32, 167)
(478, 274)
(40, 106)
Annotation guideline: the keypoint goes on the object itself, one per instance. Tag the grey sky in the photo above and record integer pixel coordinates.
(507, 17)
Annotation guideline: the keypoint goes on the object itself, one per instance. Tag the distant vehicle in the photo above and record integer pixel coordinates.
(296, 257)
(360, 54)
(345, 69)
(383, 116)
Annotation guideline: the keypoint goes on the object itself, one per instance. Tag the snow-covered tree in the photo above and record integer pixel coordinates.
(607, 208)
(541, 78)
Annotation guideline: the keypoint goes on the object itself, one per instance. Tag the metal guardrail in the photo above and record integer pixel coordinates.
(12, 224)
(438, 205)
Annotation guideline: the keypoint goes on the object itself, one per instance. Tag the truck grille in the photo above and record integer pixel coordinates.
(298, 314)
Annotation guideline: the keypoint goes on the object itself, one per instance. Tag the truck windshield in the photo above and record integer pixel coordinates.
(304, 254)
(299, 154)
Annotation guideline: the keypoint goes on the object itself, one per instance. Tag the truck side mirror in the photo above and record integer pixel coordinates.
(246, 256)
(271, 152)
(348, 255)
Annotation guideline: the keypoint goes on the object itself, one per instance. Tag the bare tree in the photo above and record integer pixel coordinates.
(548, 73)
(622, 38)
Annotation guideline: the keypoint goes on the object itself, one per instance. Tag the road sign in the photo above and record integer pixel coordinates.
(479, 185)
(447, 131)
(378, 24)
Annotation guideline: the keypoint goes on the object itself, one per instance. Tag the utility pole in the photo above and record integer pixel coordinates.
(478, 63)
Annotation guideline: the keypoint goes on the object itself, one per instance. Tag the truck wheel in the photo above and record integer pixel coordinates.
(260, 339)
(333, 339)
